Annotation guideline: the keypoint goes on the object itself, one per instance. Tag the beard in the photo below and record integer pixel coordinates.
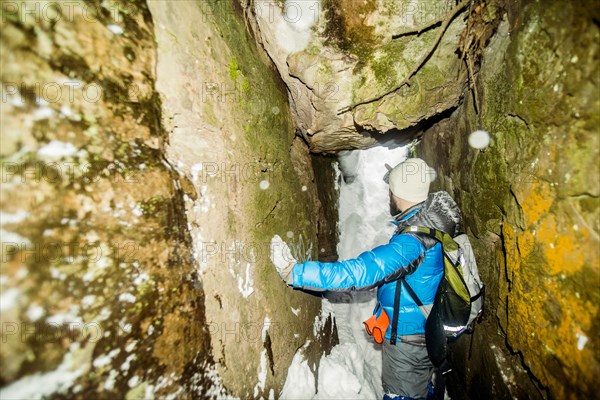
(394, 210)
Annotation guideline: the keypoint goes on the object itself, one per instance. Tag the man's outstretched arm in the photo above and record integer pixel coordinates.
(370, 269)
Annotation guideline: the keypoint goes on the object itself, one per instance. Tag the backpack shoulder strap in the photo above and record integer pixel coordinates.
(437, 235)
(432, 233)
(445, 239)
(424, 309)
(396, 311)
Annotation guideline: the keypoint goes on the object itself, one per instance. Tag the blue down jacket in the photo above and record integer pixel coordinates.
(381, 266)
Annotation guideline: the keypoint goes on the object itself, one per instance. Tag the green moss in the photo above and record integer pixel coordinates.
(153, 205)
(268, 134)
(245, 85)
(209, 113)
(234, 70)
(346, 29)
(383, 67)
(391, 7)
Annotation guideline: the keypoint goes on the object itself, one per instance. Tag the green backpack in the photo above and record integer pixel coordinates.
(459, 299)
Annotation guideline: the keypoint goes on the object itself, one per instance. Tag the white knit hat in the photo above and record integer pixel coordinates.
(410, 179)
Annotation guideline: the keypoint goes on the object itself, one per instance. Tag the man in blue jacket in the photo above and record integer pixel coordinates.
(406, 368)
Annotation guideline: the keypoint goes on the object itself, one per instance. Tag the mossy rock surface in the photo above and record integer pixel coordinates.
(529, 201)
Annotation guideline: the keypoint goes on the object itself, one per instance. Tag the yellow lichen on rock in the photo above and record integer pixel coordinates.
(560, 246)
(536, 200)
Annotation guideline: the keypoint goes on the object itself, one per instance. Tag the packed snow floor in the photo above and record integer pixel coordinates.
(353, 368)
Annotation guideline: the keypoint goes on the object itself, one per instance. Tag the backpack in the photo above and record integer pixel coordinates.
(458, 300)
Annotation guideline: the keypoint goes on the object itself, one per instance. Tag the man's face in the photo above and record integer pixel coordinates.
(394, 210)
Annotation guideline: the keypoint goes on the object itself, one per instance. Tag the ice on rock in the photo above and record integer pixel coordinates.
(57, 150)
(353, 368)
(300, 381)
(116, 29)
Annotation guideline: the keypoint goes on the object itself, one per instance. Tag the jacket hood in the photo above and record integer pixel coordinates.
(438, 212)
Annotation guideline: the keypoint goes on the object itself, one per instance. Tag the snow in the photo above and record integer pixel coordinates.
(57, 150)
(127, 297)
(300, 381)
(42, 113)
(262, 374)
(16, 100)
(265, 329)
(133, 381)
(137, 210)
(143, 277)
(38, 386)
(116, 29)
(70, 317)
(245, 285)
(340, 374)
(216, 389)
(35, 312)
(88, 300)
(293, 23)
(127, 363)
(67, 112)
(320, 319)
(13, 238)
(13, 218)
(109, 384)
(21, 273)
(581, 341)
(9, 299)
(105, 359)
(125, 326)
(353, 368)
(195, 170)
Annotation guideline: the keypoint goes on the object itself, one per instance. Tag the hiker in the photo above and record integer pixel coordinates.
(406, 368)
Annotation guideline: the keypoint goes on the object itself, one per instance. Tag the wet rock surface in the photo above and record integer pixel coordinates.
(251, 179)
(125, 186)
(149, 155)
(353, 82)
(531, 204)
(99, 287)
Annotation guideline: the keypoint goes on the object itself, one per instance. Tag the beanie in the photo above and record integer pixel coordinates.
(410, 179)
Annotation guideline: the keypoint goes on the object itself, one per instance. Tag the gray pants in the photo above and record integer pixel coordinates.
(406, 369)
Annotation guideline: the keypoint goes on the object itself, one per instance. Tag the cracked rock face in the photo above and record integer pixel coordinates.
(531, 203)
(348, 57)
(250, 179)
(102, 300)
(147, 161)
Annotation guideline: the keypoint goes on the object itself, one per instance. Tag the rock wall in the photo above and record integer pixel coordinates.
(139, 201)
(99, 293)
(363, 72)
(251, 179)
(527, 73)
(531, 204)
